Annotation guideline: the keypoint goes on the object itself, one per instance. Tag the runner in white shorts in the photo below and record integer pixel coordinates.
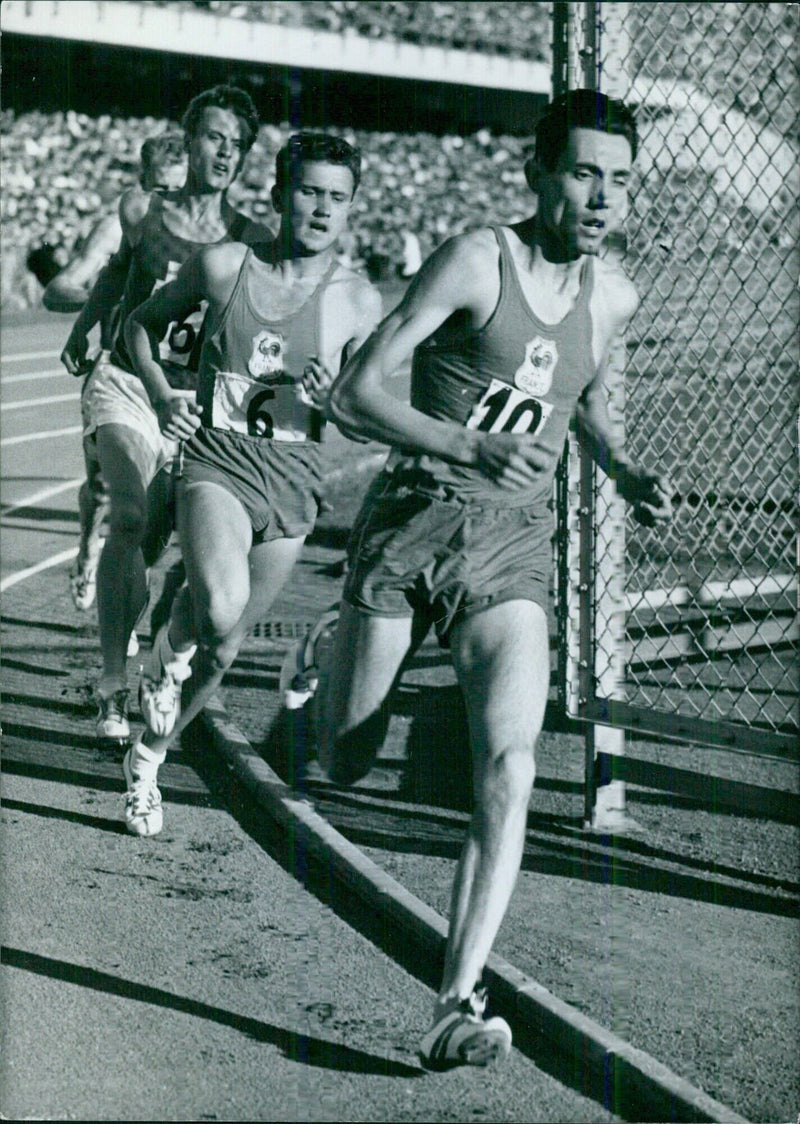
(159, 232)
(163, 168)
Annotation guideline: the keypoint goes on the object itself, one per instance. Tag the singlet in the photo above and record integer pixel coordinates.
(516, 374)
(156, 259)
(251, 365)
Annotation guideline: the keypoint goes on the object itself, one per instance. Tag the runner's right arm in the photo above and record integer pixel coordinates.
(207, 275)
(109, 286)
(453, 279)
(69, 290)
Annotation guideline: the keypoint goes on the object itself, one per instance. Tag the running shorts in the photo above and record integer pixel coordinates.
(112, 396)
(278, 483)
(413, 551)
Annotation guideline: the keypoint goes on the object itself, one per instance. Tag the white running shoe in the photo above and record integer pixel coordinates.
(300, 670)
(464, 1037)
(160, 686)
(143, 814)
(112, 716)
(83, 584)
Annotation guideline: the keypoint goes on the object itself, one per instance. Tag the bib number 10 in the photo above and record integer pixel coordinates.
(505, 409)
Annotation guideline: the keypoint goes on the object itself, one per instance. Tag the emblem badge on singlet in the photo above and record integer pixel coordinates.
(535, 374)
(520, 408)
(267, 401)
(267, 357)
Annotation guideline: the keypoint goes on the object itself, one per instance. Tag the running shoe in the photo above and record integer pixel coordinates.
(160, 687)
(143, 814)
(112, 717)
(133, 645)
(300, 670)
(464, 1037)
(83, 584)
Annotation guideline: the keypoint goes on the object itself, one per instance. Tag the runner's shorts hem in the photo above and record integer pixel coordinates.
(412, 553)
(278, 483)
(112, 396)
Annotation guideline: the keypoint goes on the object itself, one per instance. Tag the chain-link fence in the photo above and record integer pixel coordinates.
(700, 638)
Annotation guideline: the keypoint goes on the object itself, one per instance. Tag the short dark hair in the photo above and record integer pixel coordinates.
(166, 148)
(581, 109)
(304, 148)
(236, 100)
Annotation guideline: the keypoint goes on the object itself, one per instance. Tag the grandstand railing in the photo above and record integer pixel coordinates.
(188, 30)
(692, 632)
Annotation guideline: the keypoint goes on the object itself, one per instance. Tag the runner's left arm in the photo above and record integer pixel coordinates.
(648, 492)
(365, 310)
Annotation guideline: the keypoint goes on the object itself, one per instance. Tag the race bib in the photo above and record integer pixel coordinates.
(181, 345)
(275, 410)
(183, 340)
(505, 409)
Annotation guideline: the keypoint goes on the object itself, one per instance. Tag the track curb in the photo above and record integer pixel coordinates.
(617, 1066)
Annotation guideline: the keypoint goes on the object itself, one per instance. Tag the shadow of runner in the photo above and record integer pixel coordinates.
(101, 823)
(303, 1048)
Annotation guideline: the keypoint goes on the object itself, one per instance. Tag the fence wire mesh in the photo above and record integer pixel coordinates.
(711, 366)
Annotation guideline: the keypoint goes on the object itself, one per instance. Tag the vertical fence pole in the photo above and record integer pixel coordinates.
(604, 545)
(591, 623)
(567, 535)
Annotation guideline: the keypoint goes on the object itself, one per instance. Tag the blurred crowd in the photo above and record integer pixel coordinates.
(62, 171)
(520, 30)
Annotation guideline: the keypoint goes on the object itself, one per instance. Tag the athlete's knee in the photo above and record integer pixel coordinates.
(348, 754)
(128, 518)
(217, 618)
(510, 770)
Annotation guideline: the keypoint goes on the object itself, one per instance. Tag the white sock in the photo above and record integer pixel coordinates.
(145, 761)
(108, 687)
(168, 653)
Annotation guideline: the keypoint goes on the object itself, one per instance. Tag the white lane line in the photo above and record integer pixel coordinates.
(42, 494)
(45, 564)
(45, 436)
(29, 403)
(21, 356)
(34, 376)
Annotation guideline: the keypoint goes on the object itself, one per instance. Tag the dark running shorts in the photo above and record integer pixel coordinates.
(278, 483)
(412, 553)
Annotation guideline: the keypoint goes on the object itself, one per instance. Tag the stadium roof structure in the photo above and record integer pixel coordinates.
(193, 32)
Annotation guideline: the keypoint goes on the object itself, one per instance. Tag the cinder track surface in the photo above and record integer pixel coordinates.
(197, 975)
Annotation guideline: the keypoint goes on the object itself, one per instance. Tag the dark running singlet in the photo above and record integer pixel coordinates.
(156, 259)
(516, 374)
(252, 364)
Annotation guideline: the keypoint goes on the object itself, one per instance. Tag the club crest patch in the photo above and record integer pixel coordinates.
(535, 373)
(267, 359)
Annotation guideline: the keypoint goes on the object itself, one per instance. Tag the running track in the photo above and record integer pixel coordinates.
(42, 460)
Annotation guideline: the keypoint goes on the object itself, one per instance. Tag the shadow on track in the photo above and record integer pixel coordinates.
(302, 1048)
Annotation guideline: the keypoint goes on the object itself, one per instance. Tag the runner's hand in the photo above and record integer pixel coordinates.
(74, 354)
(649, 494)
(178, 416)
(514, 461)
(315, 383)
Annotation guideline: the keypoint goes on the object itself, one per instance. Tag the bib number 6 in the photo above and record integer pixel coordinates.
(505, 409)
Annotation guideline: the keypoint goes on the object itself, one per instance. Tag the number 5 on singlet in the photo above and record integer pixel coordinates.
(505, 409)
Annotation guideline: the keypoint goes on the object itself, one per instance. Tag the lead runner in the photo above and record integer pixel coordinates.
(509, 328)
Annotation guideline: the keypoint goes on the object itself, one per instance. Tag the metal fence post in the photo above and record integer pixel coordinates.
(605, 807)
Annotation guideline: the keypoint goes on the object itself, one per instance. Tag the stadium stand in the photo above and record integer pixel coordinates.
(518, 30)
